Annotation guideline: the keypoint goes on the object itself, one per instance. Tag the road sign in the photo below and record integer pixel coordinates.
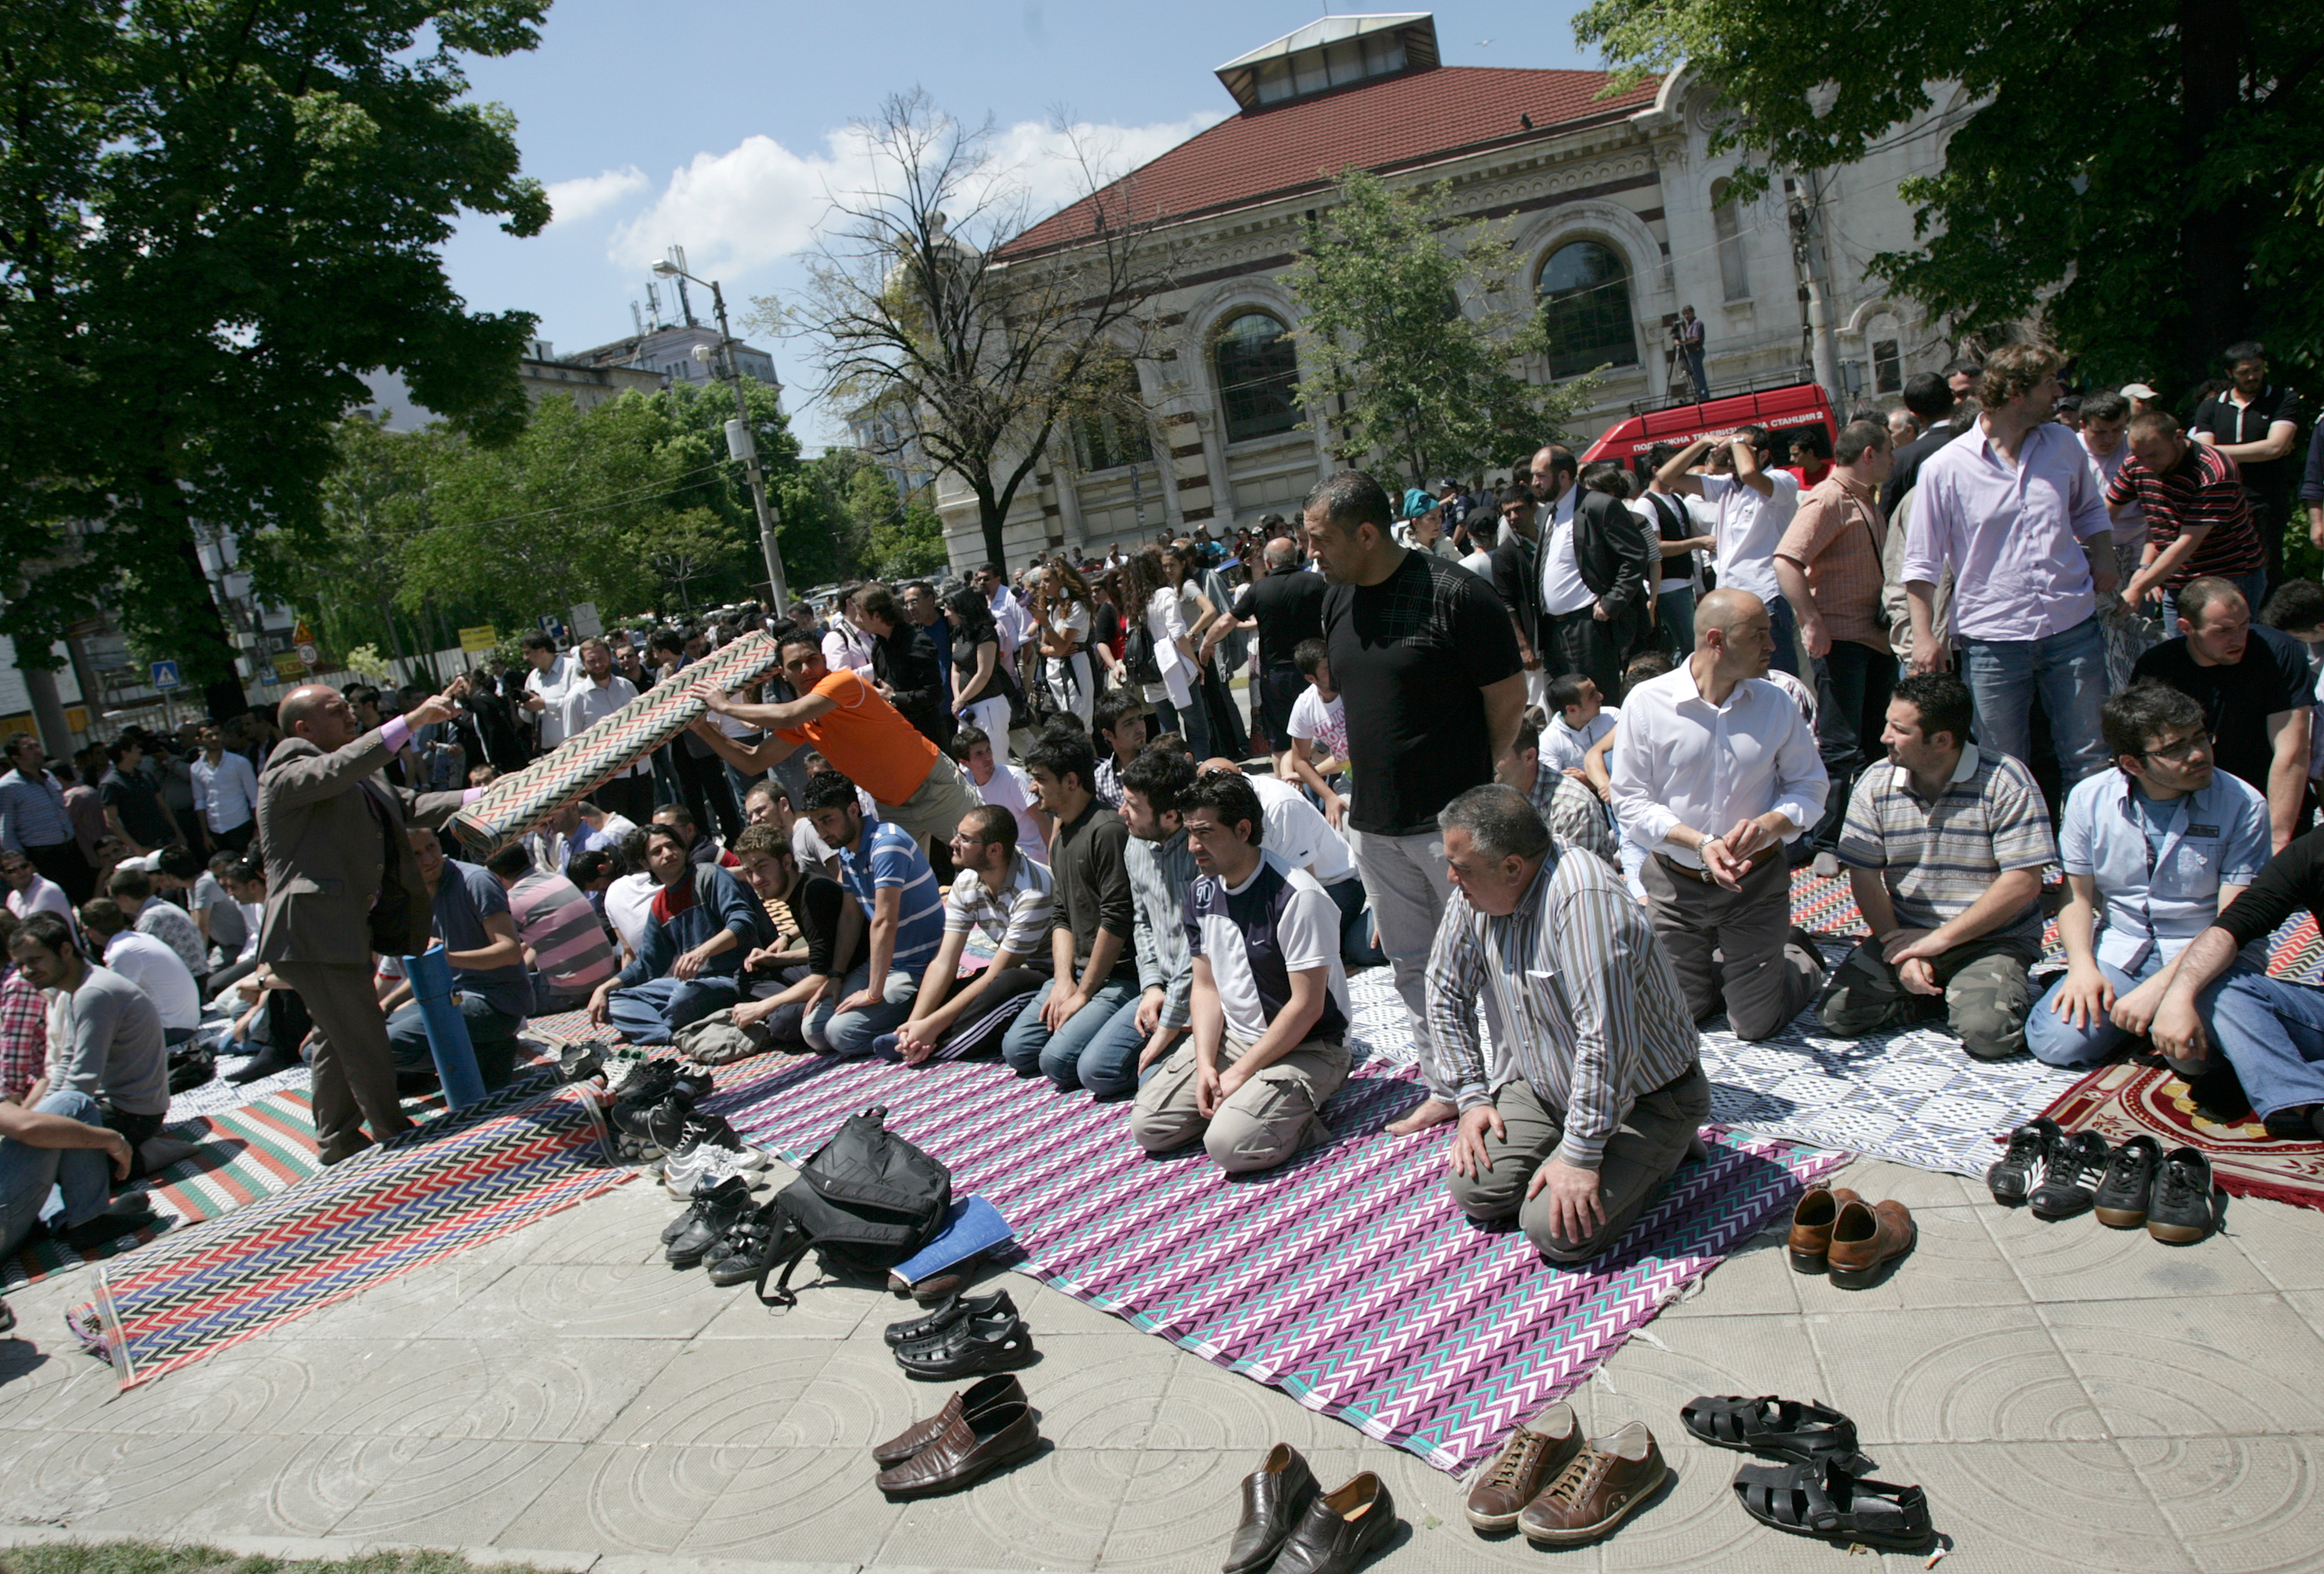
(308, 654)
(302, 634)
(288, 669)
(165, 675)
(587, 624)
(475, 641)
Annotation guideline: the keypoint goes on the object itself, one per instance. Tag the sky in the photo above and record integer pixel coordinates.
(723, 127)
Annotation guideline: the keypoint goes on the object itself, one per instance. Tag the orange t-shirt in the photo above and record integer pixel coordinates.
(863, 736)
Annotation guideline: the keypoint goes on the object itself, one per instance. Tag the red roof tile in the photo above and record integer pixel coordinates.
(1396, 123)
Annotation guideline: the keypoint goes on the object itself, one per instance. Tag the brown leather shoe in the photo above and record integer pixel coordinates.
(1275, 1499)
(1812, 1223)
(1529, 1461)
(969, 1448)
(1340, 1529)
(970, 1402)
(1600, 1487)
(1866, 1238)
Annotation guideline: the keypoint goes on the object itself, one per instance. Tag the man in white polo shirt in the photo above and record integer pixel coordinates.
(1756, 504)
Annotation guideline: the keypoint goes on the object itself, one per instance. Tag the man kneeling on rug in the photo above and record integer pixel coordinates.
(1611, 1092)
(1269, 1001)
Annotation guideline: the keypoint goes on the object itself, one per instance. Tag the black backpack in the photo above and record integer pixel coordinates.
(865, 1202)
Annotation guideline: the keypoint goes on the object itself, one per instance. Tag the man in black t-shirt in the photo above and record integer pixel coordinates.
(2252, 685)
(1424, 654)
(1285, 604)
(132, 802)
(2256, 423)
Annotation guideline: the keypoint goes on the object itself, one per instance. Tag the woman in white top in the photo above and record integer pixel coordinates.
(1147, 584)
(1062, 611)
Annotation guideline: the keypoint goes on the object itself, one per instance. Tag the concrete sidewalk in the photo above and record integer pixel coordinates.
(2072, 1398)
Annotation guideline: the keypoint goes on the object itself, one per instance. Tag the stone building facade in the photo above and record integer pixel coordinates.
(1617, 212)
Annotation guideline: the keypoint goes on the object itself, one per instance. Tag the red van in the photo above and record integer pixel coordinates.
(1782, 410)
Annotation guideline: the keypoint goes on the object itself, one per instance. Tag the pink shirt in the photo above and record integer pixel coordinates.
(2012, 537)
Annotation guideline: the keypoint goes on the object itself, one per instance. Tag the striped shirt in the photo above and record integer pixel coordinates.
(884, 858)
(1593, 1002)
(1937, 858)
(557, 924)
(1159, 874)
(32, 813)
(1573, 814)
(2204, 491)
(1015, 917)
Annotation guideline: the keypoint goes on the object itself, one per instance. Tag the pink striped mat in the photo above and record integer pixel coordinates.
(1346, 1278)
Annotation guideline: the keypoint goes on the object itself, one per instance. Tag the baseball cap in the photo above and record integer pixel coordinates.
(2138, 391)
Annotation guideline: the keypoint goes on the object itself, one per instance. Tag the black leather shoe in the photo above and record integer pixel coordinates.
(124, 1216)
(2179, 1211)
(1340, 1529)
(1000, 1342)
(2121, 1199)
(1275, 1499)
(912, 1330)
(760, 1240)
(713, 1213)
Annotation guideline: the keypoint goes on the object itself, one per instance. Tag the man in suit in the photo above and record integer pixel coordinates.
(329, 825)
(1598, 582)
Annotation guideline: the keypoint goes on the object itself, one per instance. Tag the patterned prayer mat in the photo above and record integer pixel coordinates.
(2125, 1100)
(1346, 1277)
(525, 1151)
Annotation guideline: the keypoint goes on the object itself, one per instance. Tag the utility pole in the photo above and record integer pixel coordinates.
(1823, 360)
(740, 444)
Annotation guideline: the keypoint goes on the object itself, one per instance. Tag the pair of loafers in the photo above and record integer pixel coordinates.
(979, 1429)
(1289, 1522)
(1834, 1231)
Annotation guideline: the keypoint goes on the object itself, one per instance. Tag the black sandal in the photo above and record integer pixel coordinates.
(1833, 1499)
(1786, 1429)
(998, 1343)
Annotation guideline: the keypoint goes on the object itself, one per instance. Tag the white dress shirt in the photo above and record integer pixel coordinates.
(156, 969)
(1749, 526)
(227, 792)
(588, 702)
(1549, 519)
(553, 686)
(1678, 759)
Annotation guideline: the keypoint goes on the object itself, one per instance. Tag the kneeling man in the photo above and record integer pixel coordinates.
(1270, 1002)
(1610, 1090)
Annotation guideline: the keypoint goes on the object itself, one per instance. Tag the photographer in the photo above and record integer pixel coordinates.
(1686, 335)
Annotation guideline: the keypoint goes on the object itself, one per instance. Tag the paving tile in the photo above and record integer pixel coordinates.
(816, 1505)
(1958, 1374)
(2038, 1507)
(1877, 1178)
(2080, 1259)
(417, 1305)
(858, 1398)
(2286, 1243)
(121, 1483)
(1052, 1312)
(2220, 1367)
(2241, 1505)
(1755, 1281)
(263, 1387)
(503, 1389)
(437, 1489)
(1953, 1262)
(1649, 1382)
(727, 1394)
(825, 1311)
(628, 1498)
(1052, 1511)
(2308, 1303)
(1207, 1408)
(558, 1301)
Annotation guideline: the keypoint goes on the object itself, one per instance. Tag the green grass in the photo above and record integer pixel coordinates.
(154, 1557)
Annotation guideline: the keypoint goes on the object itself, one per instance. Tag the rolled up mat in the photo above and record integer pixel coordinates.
(514, 804)
(430, 977)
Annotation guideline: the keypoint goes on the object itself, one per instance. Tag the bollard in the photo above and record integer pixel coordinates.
(430, 977)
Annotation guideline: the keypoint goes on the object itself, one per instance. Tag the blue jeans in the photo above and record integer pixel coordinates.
(1066, 1056)
(1107, 1064)
(2272, 1031)
(2055, 1042)
(1356, 948)
(28, 1174)
(1193, 724)
(1786, 658)
(1674, 621)
(2253, 584)
(2068, 670)
(652, 1012)
(849, 1034)
(492, 1033)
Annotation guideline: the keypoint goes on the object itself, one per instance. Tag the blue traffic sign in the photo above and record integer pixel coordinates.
(165, 674)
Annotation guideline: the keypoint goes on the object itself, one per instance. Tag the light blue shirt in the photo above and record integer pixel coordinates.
(33, 812)
(2155, 898)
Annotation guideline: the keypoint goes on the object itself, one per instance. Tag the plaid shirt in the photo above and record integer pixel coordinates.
(24, 1037)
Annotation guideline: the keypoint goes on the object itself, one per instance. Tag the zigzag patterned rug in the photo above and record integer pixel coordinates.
(448, 1185)
(1346, 1277)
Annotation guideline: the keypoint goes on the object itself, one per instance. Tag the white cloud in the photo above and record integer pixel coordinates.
(761, 202)
(577, 199)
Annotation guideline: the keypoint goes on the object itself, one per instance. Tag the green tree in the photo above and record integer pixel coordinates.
(213, 217)
(692, 549)
(1414, 383)
(2142, 177)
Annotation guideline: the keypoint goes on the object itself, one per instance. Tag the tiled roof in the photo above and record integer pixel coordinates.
(1394, 124)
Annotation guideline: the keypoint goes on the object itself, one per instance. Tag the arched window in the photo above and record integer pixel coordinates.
(1110, 431)
(1734, 271)
(1883, 339)
(1585, 304)
(1258, 369)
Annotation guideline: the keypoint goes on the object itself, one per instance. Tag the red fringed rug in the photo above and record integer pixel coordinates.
(2121, 1101)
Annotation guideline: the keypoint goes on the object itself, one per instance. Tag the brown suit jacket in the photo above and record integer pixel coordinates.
(323, 849)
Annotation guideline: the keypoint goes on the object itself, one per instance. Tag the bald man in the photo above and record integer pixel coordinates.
(1714, 769)
(342, 884)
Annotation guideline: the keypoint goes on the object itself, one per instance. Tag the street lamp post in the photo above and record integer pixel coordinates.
(740, 444)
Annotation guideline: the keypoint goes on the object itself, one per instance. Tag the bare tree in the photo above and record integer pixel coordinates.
(975, 351)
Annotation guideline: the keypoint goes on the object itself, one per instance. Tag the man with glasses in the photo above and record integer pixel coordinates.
(33, 820)
(2252, 686)
(1012, 901)
(1945, 846)
(2154, 852)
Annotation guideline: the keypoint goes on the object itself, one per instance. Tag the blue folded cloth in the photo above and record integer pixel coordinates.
(973, 1225)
